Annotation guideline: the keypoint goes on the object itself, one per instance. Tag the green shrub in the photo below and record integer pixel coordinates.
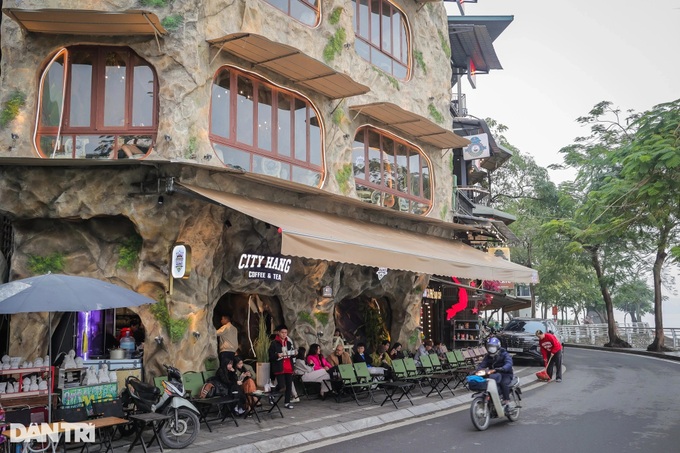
(40, 265)
(446, 45)
(334, 18)
(342, 176)
(10, 109)
(305, 317)
(418, 55)
(334, 46)
(434, 113)
(128, 253)
(156, 3)
(338, 116)
(172, 22)
(322, 318)
(192, 147)
(261, 343)
(176, 328)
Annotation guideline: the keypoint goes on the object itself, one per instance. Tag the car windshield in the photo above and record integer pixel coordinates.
(520, 325)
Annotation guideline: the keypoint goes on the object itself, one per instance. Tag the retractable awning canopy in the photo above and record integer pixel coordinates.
(412, 124)
(499, 301)
(472, 37)
(87, 22)
(322, 236)
(291, 63)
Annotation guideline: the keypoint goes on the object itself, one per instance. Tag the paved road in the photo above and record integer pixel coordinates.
(607, 403)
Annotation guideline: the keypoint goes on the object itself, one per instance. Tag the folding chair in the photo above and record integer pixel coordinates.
(193, 382)
(421, 376)
(350, 383)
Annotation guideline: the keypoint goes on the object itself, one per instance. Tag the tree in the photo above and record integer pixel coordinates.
(635, 298)
(645, 194)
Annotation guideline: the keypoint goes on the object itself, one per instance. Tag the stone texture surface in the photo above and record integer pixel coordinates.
(85, 213)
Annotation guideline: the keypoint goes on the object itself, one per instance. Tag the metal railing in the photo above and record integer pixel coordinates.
(638, 334)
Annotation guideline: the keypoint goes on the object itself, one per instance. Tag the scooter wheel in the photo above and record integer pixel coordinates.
(480, 413)
(182, 428)
(513, 408)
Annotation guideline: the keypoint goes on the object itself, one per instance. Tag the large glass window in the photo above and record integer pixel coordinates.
(391, 172)
(97, 103)
(275, 132)
(382, 36)
(305, 11)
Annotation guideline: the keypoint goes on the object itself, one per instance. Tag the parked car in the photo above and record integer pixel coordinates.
(518, 337)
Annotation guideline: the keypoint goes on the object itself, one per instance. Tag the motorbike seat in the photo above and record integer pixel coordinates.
(143, 390)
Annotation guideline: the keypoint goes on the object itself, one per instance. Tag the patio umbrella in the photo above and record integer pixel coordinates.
(64, 293)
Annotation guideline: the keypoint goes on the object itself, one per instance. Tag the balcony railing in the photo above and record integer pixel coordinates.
(638, 334)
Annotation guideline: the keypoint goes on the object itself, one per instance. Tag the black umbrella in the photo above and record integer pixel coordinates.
(64, 293)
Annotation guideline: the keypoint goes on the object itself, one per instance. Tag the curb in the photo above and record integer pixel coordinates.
(658, 355)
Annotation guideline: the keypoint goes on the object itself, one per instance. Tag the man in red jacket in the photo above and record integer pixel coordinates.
(551, 348)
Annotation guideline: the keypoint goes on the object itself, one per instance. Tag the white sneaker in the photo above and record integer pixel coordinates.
(288, 406)
(295, 400)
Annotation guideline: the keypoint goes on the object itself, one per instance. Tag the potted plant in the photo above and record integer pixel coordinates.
(261, 347)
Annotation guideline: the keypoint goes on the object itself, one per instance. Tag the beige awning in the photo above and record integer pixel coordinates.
(321, 236)
(411, 124)
(291, 63)
(87, 22)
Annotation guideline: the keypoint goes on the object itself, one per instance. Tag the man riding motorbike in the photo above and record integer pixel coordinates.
(499, 363)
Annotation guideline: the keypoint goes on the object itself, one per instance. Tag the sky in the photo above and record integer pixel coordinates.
(561, 58)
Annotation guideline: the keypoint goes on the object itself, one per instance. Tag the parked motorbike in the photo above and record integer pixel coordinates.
(486, 402)
(183, 427)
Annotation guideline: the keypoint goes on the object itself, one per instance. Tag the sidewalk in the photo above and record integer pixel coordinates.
(313, 420)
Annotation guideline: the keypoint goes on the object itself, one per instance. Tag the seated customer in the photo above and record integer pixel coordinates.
(313, 368)
(382, 358)
(226, 383)
(246, 379)
(361, 356)
(395, 352)
(339, 357)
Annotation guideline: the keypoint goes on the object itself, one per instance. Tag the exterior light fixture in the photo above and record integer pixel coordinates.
(327, 291)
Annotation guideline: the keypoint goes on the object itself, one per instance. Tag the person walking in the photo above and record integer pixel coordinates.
(281, 357)
(551, 349)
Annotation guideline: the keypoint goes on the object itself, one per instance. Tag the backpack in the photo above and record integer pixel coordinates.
(207, 391)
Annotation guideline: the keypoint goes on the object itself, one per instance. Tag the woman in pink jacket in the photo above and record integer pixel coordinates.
(317, 369)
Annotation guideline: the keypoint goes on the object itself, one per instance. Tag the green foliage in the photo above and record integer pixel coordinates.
(343, 177)
(10, 109)
(176, 328)
(128, 252)
(334, 18)
(334, 46)
(156, 3)
(40, 265)
(434, 113)
(261, 343)
(418, 56)
(374, 325)
(305, 317)
(443, 211)
(191, 148)
(338, 116)
(172, 22)
(446, 45)
(413, 340)
(393, 81)
(322, 318)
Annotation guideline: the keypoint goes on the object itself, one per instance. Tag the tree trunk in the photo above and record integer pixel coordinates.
(614, 340)
(659, 339)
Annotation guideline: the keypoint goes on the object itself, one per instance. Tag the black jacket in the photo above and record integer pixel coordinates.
(501, 362)
(275, 348)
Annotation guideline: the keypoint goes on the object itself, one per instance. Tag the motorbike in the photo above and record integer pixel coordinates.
(183, 427)
(486, 400)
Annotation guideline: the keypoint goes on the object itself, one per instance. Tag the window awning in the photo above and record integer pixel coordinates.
(290, 62)
(412, 124)
(322, 236)
(87, 22)
(499, 301)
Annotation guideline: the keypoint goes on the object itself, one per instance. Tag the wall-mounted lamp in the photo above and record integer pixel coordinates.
(346, 136)
(167, 138)
(161, 200)
(159, 340)
(347, 45)
(196, 334)
(227, 223)
(327, 291)
(207, 157)
(15, 136)
(319, 334)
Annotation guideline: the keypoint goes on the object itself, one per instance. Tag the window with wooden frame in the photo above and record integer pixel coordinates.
(305, 11)
(97, 103)
(382, 36)
(390, 172)
(261, 128)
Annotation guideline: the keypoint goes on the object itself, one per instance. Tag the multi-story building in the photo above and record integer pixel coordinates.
(299, 153)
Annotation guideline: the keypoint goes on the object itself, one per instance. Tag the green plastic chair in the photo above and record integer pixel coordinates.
(193, 382)
(211, 364)
(352, 385)
(208, 374)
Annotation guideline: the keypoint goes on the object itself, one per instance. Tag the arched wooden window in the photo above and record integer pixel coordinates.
(97, 103)
(305, 11)
(391, 172)
(261, 128)
(382, 36)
